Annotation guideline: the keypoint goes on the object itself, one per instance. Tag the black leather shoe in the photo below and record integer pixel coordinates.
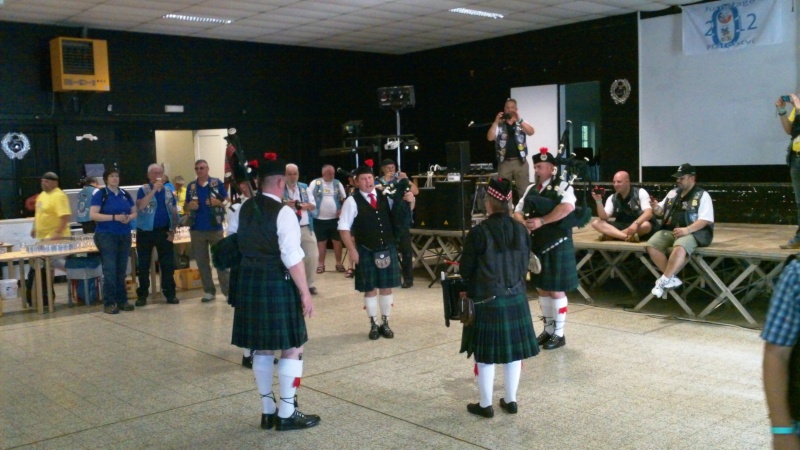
(510, 407)
(384, 329)
(126, 307)
(313, 290)
(141, 301)
(268, 421)
(475, 408)
(543, 337)
(373, 332)
(297, 421)
(555, 342)
(173, 301)
(247, 361)
(407, 284)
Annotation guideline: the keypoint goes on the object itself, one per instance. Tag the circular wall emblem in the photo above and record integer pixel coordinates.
(16, 145)
(620, 91)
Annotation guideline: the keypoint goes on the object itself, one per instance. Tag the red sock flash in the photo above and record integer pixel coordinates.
(296, 383)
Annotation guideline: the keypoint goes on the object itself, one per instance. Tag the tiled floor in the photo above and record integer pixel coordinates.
(165, 376)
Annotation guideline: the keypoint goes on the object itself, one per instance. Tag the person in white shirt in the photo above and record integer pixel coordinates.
(629, 207)
(328, 194)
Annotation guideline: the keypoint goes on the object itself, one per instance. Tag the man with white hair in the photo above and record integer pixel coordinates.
(157, 218)
(296, 195)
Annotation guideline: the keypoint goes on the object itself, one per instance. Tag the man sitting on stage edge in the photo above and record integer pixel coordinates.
(688, 223)
(366, 217)
(630, 208)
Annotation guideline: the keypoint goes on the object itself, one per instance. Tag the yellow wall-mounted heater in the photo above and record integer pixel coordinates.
(79, 64)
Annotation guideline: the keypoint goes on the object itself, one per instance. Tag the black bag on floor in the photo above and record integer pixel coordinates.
(29, 287)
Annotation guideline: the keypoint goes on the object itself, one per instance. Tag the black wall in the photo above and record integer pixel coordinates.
(293, 100)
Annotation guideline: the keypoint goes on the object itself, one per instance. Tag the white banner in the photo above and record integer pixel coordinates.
(730, 25)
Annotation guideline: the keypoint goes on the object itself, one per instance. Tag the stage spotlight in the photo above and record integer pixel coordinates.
(352, 127)
(392, 144)
(411, 145)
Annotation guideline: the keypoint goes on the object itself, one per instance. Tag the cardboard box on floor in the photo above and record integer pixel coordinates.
(188, 279)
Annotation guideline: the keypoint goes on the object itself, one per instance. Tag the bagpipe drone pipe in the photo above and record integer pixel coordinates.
(238, 169)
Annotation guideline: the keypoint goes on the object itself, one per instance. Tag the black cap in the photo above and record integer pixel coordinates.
(270, 165)
(543, 156)
(499, 188)
(387, 161)
(50, 176)
(685, 169)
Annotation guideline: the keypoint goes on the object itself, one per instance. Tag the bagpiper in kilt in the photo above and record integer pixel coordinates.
(271, 300)
(366, 218)
(493, 264)
(547, 210)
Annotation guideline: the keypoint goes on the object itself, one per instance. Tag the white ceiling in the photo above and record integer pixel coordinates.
(381, 26)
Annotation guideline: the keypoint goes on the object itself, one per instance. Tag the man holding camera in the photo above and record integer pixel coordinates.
(295, 194)
(509, 131)
(791, 125)
(205, 201)
(630, 208)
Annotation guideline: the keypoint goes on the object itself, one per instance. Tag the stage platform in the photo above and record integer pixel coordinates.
(742, 263)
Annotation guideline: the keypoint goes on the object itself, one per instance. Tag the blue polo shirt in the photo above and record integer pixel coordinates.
(118, 204)
(161, 218)
(202, 220)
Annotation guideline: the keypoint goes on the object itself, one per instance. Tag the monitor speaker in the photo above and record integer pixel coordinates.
(458, 157)
(438, 208)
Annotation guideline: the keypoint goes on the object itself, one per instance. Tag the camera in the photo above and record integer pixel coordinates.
(298, 206)
(786, 98)
(506, 116)
(599, 190)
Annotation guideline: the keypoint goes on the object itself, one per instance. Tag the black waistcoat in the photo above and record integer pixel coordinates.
(258, 229)
(372, 227)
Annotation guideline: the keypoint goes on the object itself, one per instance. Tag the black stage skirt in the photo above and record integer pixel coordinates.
(502, 331)
(558, 269)
(269, 313)
(369, 277)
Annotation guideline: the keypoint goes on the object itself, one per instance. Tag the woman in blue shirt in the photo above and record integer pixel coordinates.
(112, 209)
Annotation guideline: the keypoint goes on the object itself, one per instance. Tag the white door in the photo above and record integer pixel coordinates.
(210, 145)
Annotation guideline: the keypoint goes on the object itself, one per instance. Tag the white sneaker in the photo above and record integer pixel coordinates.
(208, 297)
(672, 283)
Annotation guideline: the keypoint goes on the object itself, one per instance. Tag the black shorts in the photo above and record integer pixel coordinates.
(326, 230)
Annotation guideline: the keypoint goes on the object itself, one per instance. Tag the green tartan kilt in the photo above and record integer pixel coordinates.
(269, 313)
(369, 277)
(233, 279)
(502, 331)
(558, 269)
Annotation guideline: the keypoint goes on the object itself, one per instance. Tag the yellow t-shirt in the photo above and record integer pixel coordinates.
(795, 141)
(50, 207)
(180, 196)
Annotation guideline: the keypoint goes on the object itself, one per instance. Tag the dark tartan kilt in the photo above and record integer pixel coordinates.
(369, 277)
(269, 313)
(558, 269)
(502, 332)
(233, 279)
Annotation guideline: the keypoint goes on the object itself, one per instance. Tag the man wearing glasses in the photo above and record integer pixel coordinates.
(688, 222)
(205, 201)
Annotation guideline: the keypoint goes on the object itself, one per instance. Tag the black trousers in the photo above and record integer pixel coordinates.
(406, 255)
(145, 241)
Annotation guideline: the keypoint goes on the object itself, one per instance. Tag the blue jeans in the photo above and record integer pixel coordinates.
(114, 251)
(794, 171)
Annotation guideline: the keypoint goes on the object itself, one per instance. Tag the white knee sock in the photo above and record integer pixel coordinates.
(289, 373)
(485, 383)
(386, 304)
(371, 305)
(511, 371)
(262, 369)
(246, 352)
(560, 313)
(546, 304)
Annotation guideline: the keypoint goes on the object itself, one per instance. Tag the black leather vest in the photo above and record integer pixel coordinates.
(682, 210)
(372, 227)
(627, 210)
(495, 257)
(258, 230)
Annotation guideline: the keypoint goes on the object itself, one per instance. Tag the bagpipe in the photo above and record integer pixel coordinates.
(568, 168)
(238, 169)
